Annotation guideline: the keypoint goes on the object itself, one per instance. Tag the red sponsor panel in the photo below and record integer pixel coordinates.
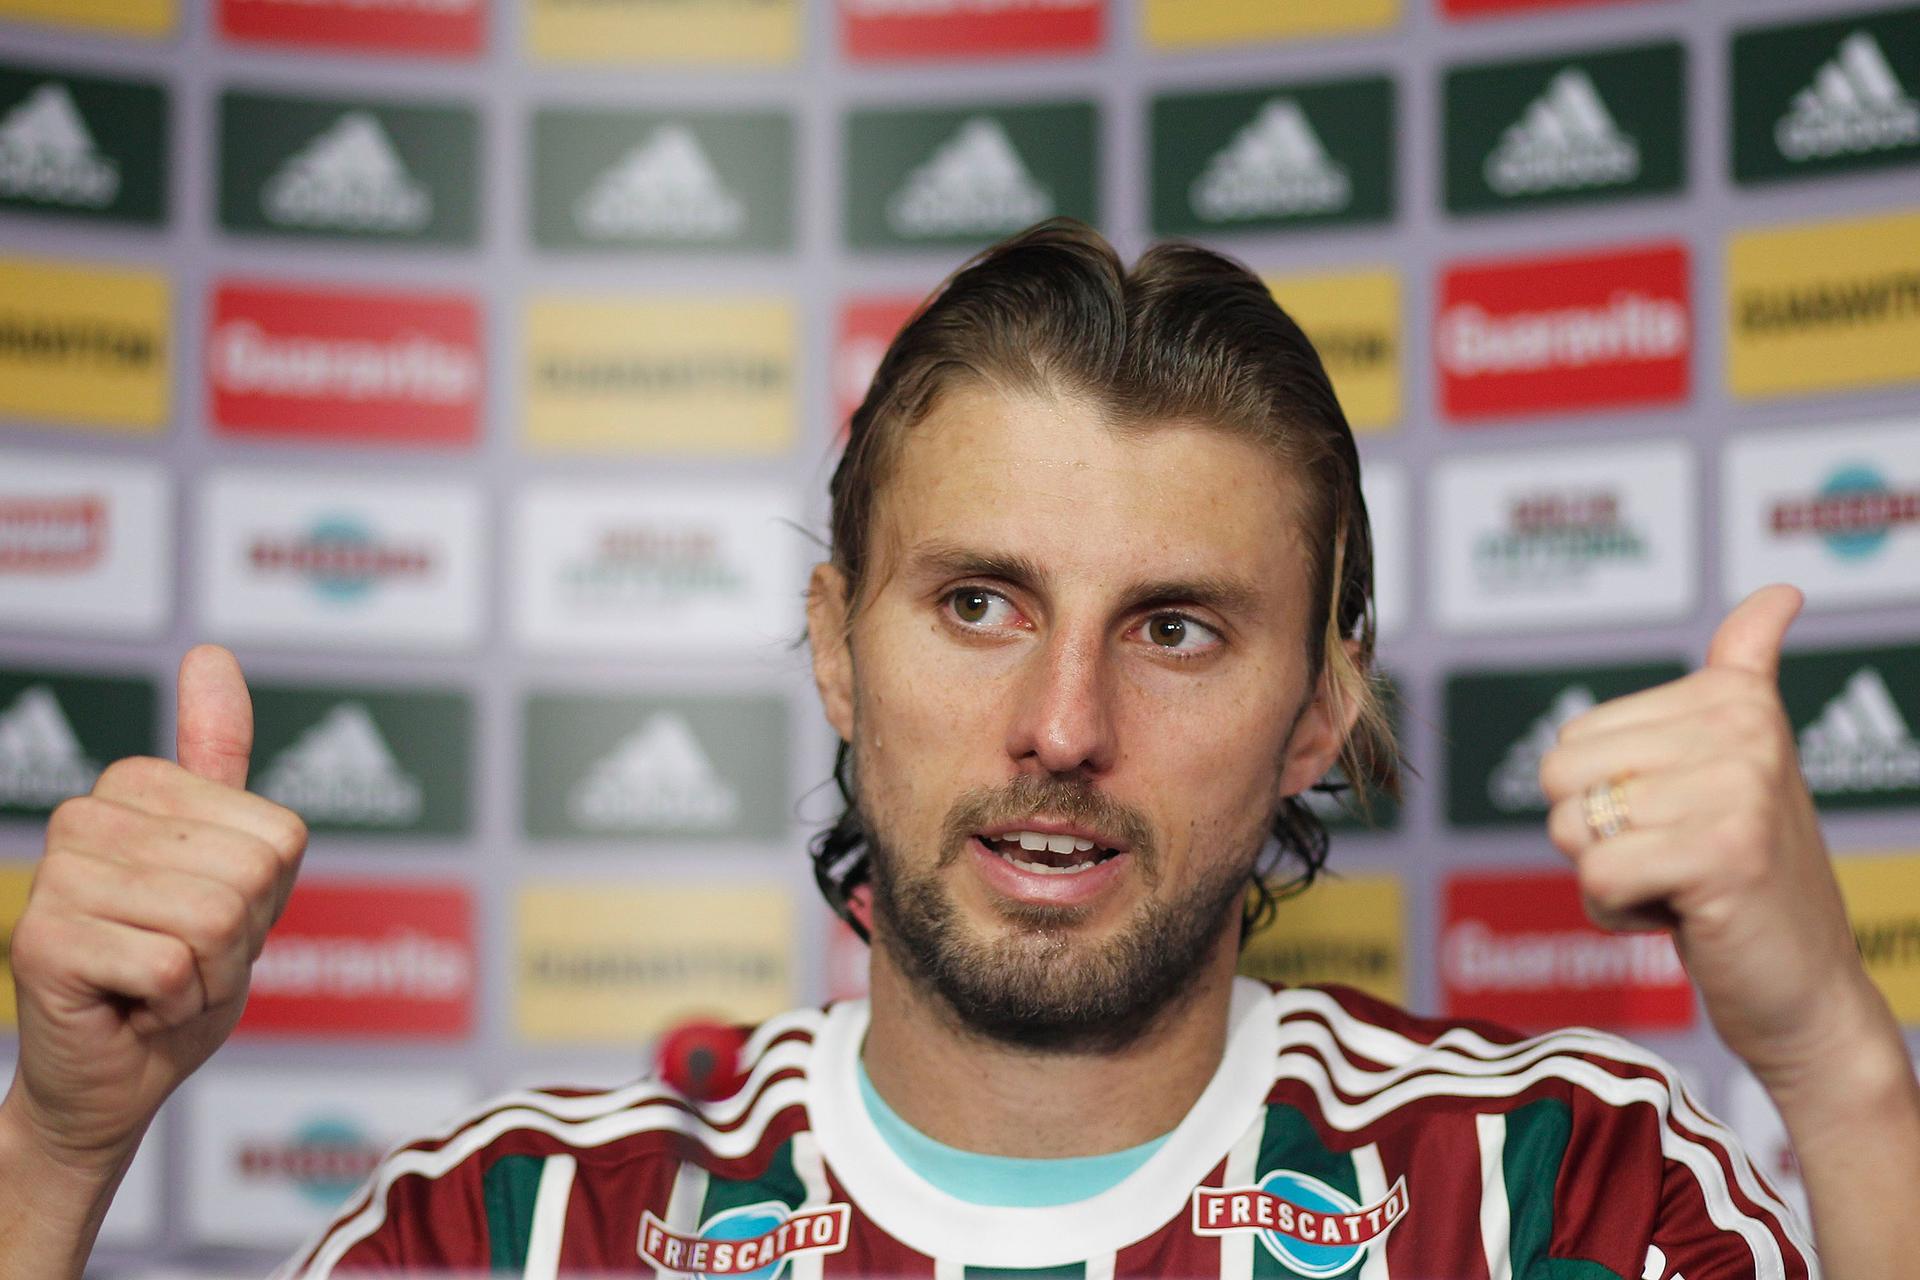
(446, 28)
(1518, 949)
(888, 30)
(368, 958)
(867, 329)
(350, 367)
(1603, 330)
(1509, 8)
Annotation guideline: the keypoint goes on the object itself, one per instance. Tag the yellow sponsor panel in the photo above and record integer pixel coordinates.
(1353, 319)
(739, 32)
(1350, 930)
(83, 344)
(681, 375)
(1824, 306)
(1883, 899)
(14, 879)
(1177, 24)
(611, 964)
(124, 17)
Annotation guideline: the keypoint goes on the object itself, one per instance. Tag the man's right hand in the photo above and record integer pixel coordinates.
(147, 911)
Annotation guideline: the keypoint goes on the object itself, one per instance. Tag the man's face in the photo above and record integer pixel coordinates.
(1086, 640)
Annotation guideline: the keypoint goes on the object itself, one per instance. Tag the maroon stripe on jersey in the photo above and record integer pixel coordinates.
(870, 1251)
(1174, 1250)
(1440, 1159)
(1796, 1261)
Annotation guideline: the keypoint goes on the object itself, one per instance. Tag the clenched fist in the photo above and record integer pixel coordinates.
(147, 911)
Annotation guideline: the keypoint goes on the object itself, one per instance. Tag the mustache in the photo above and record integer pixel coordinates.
(1079, 803)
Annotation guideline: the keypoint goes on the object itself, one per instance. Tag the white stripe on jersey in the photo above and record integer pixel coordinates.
(1370, 1177)
(1496, 1217)
(549, 1226)
(812, 1172)
(1243, 1167)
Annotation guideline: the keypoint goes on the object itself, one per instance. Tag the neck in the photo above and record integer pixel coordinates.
(967, 1091)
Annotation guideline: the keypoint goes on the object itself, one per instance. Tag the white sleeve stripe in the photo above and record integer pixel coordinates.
(1496, 1217)
(549, 1228)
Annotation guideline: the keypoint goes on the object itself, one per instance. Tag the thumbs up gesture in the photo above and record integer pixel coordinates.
(147, 911)
(1683, 807)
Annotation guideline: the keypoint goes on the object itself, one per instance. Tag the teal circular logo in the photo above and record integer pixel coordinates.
(1308, 1258)
(1855, 543)
(341, 537)
(747, 1222)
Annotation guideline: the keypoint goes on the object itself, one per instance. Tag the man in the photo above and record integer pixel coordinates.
(1097, 614)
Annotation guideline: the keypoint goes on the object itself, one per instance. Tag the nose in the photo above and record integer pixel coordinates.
(1063, 723)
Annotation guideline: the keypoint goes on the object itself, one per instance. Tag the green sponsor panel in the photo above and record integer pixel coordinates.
(649, 180)
(963, 177)
(1500, 723)
(59, 729)
(82, 146)
(1274, 158)
(1341, 810)
(1595, 125)
(1855, 713)
(349, 168)
(1834, 96)
(609, 767)
(361, 761)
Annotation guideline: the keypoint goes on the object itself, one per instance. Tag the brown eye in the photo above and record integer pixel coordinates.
(1167, 630)
(971, 605)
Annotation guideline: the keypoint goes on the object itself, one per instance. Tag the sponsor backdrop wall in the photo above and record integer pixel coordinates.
(475, 371)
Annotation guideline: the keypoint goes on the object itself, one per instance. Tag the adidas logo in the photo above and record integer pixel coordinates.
(1855, 105)
(1566, 140)
(656, 777)
(349, 178)
(663, 189)
(1514, 785)
(47, 154)
(974, 184)
(1861, 742)
(1275, 167)
(41, 761)
(341, 771)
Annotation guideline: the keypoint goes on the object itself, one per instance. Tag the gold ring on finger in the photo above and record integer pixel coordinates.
(1605, 808)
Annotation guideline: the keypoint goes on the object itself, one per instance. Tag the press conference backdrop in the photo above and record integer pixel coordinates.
(475, 372)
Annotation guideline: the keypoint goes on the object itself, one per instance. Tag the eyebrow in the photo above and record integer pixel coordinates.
(1224, 593)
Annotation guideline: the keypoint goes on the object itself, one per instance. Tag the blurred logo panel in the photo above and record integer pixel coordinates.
(365, 761)
(456, 28)
(1836, 95)
(15, 879)
(1353, 320)
(86, 544)
(349, 367)
(1350, 931)
(1499, 8)
(962, 177)
(1180, 24)
(1835, 510)
(665, 32)
(714, 180)
(58, 729)
(1855, 713)
(1499, 724)
(674, 375)
(401, 172)
(1564, 538)
(83, 146)
(273, 1155)
(1516, 948)
(868, 326)
(1593, 125)
(882, 30)
(616, 964)
(1883, 901)
(333, 559)
(612, 767)
(1826, 306)
(685, 571)
(1270, 159)
(84, 345)
(360, 959)
(149, 18)
(1606, 330)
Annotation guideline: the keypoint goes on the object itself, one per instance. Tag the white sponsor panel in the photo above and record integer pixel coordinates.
(337, 560)
(687, 571)
(1564, 537)
(1833, 510)
(86, 544)
(1385, 486)
(272, 1155)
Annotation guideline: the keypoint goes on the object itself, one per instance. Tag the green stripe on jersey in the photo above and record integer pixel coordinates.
(509, 1187)
(1536, 1147)
(1289, 1142)
(779, 1182)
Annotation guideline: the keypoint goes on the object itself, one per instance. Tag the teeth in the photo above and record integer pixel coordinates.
(1032, 840)
(1036, 841)
(1041, 868)
(1062, 844)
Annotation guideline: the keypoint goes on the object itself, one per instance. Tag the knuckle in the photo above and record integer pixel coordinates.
(219, 917)
(259, 872)
(172, 968)
(289, 834)
(131, 774)
(71, 817)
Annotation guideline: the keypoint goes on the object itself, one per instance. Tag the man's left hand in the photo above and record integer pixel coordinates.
(1720, 844)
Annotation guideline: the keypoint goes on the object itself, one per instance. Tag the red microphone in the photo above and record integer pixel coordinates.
(701, 1059)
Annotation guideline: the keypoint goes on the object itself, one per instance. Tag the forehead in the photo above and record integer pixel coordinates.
(1049, 478)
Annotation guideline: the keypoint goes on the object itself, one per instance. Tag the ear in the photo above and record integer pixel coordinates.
(827, 637)
(1323, 728)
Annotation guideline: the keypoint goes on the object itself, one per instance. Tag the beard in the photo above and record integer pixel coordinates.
(1035, 984)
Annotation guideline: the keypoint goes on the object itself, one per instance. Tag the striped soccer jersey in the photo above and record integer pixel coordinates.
(1340, 1138)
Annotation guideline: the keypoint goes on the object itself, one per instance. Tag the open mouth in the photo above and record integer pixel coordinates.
(1047, 855)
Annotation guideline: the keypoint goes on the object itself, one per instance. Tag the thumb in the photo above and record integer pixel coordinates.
(215, 734)
(1750, 637)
